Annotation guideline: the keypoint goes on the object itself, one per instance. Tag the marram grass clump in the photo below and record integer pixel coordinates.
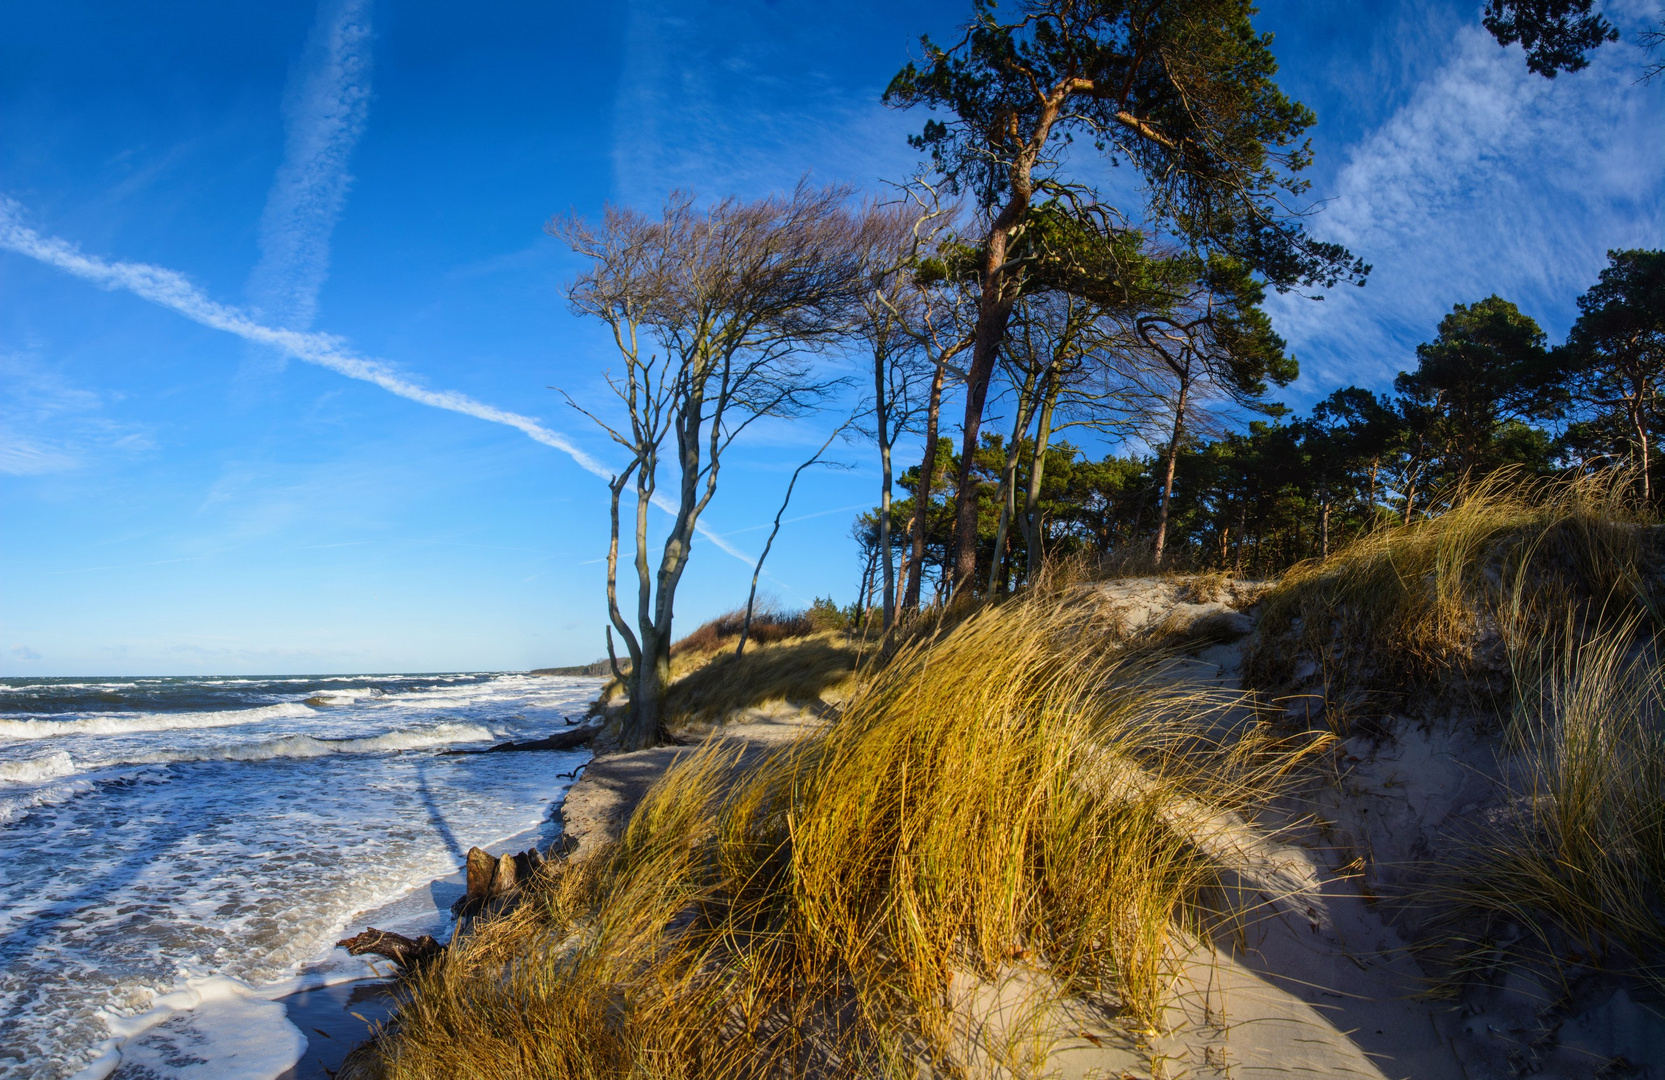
(1571, 874)
(1008, 792)
(1440, 607)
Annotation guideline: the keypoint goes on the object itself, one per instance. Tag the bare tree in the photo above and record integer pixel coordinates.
(898, 323)
(1208, 346)
(714, 313)
(774, 531)
(1074, 344)
(944, 313)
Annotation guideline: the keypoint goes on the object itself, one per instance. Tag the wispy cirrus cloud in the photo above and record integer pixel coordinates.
(723, 99)
(327, 104)
(1487, 179)
(174, 291)
(49, 426)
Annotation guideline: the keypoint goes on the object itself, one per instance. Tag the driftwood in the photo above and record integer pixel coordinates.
(566, 740)
(408, 953)
(494, 882)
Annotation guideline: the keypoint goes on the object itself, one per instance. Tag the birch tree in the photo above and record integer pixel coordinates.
(716, 315)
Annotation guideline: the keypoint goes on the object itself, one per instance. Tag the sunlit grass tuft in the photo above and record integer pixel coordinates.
(1008, 789)
(1441, 605)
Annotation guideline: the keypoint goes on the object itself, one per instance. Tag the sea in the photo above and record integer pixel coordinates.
(179, 855)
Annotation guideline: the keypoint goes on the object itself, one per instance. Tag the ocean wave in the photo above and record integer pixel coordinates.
(305, 746)
(120, 724)
(34, 770)
(346, 696)
(48, 795)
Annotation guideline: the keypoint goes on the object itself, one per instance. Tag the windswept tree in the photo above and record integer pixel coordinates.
(944, 314)
(1063, 344)
(715, 314)
(1615, 354)
(893, 321)
(1182, 90)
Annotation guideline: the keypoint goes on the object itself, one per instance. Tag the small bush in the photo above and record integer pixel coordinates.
(823, 614)
(724, 630)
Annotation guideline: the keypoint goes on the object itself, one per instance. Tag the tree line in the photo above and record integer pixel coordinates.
(1003, 278)
(1487, 393)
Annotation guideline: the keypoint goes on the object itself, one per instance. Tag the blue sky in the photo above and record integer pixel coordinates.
(371, 179)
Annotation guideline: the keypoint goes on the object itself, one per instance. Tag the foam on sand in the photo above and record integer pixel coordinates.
(212, 1028)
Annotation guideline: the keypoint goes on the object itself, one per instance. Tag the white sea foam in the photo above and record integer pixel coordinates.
(305, 746)
(210, 1027)
(345, 697)
(34, 770)
(15, 806)
(130, 723)
(238, 851)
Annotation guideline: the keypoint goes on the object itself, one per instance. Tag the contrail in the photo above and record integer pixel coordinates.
(328, 100)
(171, 290)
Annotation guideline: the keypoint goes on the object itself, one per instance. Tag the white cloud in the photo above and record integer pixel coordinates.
(23, 652)
(329, 98)
(724, 99)
(20, 456)
(1488, 179)
(49, 426)
(172, 290)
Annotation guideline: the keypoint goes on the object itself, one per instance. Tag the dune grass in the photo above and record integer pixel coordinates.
(790, 657)
(1574, 871)
(800, 669)
(1442, 605)
(1007, 791)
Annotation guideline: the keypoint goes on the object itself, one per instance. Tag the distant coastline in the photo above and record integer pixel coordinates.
(591, 670)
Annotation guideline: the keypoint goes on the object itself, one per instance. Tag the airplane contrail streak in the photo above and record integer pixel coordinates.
(172, 290)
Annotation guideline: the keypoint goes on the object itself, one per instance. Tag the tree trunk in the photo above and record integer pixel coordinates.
(881, 419)
(994, 312)
(1639, 419)
(644, 723)
(1168, 474)
(922, 496)
(888, 566)
(1324, 527)
(1030, 521)
(1008, 478)
(1242, 531)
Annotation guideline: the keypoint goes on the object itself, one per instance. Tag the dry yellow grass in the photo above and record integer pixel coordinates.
(1578, 859)
(1006, 788)
(797, 670)
(1444, 604)
(787, 660)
